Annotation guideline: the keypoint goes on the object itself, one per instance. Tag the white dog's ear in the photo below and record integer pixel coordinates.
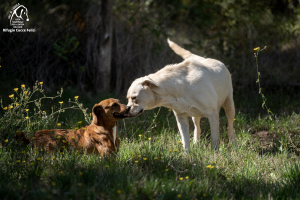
(149, 83)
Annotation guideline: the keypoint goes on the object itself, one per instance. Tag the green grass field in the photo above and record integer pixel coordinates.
(151, 163)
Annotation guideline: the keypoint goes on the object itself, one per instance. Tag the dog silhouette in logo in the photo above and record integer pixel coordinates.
(20, 12)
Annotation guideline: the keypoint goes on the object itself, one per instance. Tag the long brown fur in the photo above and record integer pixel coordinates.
(94, 138)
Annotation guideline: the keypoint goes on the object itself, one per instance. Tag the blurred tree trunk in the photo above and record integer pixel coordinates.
(103, 79)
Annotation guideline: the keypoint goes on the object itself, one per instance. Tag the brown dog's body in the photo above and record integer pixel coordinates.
(99, 137)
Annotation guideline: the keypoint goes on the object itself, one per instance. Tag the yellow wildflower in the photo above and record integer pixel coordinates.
(119, 191)
(83, 128)
(41, 83)
(26, 117)
(106, 166)
(167, 170)
(25, 92)
(256, 48)
(5, 108)
(31, 163)
(11, 96)
(23, 161)
(179, 142)
(76, 97)
(139, 156)
(204, 195)
(155, 158)
(10, 107)
(176, 150)
(16, 89)
(72, 137)
(210, 166)
(17, 104)
(18, 161)
(136, 161)
(186, 177)
(61, 172)
(76, 128)
(132, 156)
(149, 138)
(213, 162)
(179, 196)
(181, 178)
(52, 158)
(43, 111)
(79, 122)
(38, 159)
(145, 158)
(61, 153)
(170, 150)
(6, 140)
(41, 149)
(234, 119)
(27, 110)
(53, 183)
(60, 102)
(22, 85)
(58, 124)
(140, 135)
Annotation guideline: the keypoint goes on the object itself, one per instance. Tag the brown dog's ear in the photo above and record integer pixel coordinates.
(148, 82)
(97, 112)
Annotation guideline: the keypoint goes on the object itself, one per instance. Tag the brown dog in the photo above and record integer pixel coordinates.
(99, 137)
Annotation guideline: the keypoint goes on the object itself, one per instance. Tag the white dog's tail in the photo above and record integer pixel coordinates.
(179, 50)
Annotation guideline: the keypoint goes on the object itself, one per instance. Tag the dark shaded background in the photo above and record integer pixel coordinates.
(66, 47)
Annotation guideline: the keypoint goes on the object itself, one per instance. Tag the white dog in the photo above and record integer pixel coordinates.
(196, 87)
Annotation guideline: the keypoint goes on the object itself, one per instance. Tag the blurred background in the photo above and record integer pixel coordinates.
(97, 48)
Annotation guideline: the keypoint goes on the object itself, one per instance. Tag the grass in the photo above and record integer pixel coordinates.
(266, 164)
(158, 168)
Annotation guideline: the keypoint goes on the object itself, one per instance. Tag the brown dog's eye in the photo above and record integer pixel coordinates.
(115, 105)
(133, 98)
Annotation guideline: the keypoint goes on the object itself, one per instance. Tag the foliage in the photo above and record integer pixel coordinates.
(26, 113)
(65, 47)
(225, 29)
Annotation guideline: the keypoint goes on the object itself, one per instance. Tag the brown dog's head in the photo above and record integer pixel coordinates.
(109, 111)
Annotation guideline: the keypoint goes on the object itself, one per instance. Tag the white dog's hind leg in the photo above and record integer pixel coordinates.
(214, 130)
(183, 126)
(197, 130)
(230, 112)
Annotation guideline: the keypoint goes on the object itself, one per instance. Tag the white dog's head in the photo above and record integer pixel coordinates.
(140, 96)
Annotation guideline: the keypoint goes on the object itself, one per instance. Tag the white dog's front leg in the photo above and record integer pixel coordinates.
(197, 131)
(183, 126)
(214, 131)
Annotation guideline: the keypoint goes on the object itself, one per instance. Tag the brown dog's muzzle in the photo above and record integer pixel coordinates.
(123, 114)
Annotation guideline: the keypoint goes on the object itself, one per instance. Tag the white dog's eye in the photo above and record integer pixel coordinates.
(133, 98)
